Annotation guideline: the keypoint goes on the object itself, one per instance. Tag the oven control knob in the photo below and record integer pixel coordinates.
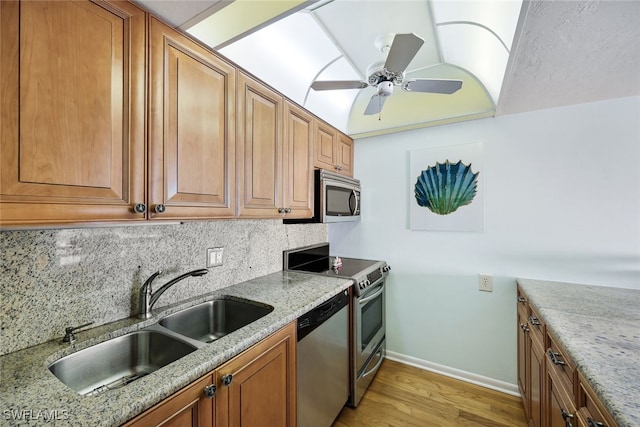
(386, 268)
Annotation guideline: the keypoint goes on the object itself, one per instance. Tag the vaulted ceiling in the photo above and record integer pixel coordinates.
(512, 57)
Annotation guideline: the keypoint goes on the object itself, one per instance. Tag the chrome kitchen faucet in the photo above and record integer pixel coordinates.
(148, 298)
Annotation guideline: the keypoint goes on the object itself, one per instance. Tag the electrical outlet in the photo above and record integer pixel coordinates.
(485, 282)
(214, 257)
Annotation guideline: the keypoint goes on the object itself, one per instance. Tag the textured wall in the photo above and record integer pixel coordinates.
(50, 279)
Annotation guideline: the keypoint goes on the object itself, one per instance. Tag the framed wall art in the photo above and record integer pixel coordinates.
(446, 188)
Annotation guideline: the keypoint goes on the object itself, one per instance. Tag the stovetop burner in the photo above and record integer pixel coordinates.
(316, 259)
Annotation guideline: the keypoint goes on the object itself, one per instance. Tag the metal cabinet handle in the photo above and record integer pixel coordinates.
(159, 208)
(524, 328)
(555, 358)
(522, 299)
(567, 417)
(534, 321)
(210, 391)
(280, 210)
(592, 423)
(287, 210)
(139, 208)
(227, 379)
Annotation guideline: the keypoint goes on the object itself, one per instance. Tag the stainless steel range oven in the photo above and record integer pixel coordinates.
(369, 332)
(367, 307)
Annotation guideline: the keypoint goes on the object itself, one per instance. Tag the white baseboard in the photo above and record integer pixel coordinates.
(458, 374)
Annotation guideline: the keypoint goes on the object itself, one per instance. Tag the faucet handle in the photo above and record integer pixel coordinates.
(69, 330)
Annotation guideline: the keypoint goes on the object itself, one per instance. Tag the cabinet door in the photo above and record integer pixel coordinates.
(536, 381)
(72, 107)
(523, 357)
(324, 146)
(560, 407)
(344, 151)
(261, 390)
(298, 163)
(189, 407)
(191, 129)
(259, 150)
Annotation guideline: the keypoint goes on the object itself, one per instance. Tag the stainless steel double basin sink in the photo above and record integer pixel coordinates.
(119, 361)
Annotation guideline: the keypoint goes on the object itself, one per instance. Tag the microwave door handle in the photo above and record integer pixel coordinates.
(355, 197)
(362, 301)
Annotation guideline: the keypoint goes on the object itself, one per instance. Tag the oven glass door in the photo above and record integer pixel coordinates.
(370, 322)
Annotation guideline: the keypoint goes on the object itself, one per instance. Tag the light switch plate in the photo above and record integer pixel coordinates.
(214, 257)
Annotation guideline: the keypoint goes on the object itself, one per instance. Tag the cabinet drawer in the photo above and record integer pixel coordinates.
(592, 410)
(557, 359)
(522, 297)
(536, 326)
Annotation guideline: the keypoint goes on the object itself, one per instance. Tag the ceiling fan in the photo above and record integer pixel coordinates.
(384, 75)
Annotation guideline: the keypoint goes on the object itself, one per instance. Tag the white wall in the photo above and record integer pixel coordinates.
(561, 202)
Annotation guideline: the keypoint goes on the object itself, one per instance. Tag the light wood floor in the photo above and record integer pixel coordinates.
(403, 396)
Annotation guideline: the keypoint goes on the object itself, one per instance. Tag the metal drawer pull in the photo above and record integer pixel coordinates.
(523, 326)
(554, 358)
(522, 299)
(592, 423)
(567, 417)
(227, 379)
(534, 321)
(210, 391)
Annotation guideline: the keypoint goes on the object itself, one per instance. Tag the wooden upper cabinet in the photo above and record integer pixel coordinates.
(259, 149)
(298, 163)
(72, 105)
(344, 151)
(191, 129)
(333, 150)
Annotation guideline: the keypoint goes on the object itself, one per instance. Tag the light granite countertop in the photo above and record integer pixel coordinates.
(31, 395)
(599, 327)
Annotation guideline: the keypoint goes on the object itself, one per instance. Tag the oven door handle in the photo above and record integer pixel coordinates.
(375, 368)
(363, 301)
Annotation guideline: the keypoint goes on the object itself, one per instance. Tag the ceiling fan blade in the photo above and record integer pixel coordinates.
(375, 105)
(432, 85)
(403, 49)
(338, 84)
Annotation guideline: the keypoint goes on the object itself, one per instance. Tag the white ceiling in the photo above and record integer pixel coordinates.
(562, 53)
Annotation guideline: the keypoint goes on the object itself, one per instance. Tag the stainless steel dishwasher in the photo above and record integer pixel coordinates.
(323, 362)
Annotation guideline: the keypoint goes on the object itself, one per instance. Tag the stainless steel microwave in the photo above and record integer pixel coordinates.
(336, 198)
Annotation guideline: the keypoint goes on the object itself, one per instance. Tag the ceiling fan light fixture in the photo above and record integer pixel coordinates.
(385, 88)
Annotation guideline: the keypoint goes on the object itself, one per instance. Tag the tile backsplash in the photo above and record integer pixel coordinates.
(50, 279)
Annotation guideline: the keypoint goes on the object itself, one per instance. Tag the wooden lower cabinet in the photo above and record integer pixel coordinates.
(554, 392)
(531, 362)
(257, 388)
(189, 407)
(536, 381)
(561, 409)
